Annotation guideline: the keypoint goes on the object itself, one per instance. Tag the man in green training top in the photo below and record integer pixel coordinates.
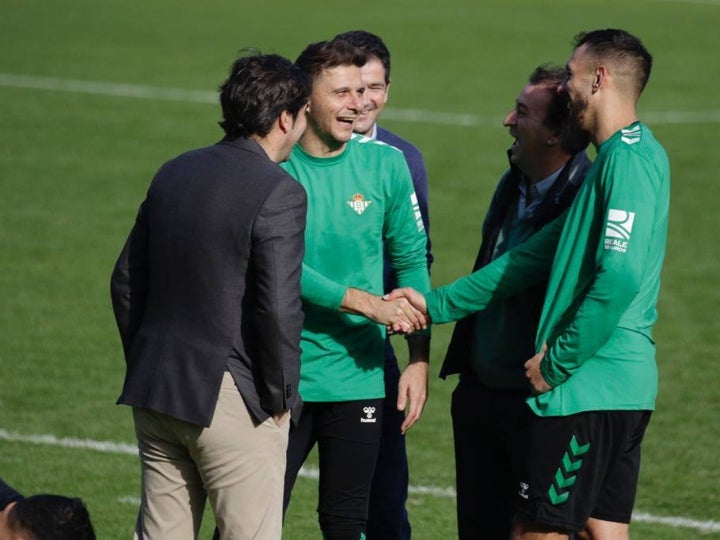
(361, 198)
(594, 374)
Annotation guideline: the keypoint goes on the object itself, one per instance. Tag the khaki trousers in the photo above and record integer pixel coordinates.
(239, 465)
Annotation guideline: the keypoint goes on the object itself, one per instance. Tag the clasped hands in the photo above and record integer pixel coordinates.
(402, 311)
(409, 311)
(406, 311)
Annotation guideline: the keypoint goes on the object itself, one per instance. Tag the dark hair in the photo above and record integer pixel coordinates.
(52, 517)
(258, 90)
(557, 116)
(329, 54)
(622, 46)
(371, 44)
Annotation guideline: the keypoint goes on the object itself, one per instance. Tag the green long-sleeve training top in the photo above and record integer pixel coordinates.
(604, 257)
(356, 200)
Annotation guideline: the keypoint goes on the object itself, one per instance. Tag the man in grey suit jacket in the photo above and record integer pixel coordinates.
(206, 295)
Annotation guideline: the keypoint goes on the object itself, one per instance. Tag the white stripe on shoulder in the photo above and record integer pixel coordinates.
(362, 139)
(632, 135)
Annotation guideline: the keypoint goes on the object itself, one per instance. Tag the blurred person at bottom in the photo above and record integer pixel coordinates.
(42, 517)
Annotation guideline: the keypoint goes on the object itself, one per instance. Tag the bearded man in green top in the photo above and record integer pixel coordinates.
(594, 374)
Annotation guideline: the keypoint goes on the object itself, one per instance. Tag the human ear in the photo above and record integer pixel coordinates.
(599, 77)
(285, 121)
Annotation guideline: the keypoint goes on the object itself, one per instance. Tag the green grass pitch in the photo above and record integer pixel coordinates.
(74, 166)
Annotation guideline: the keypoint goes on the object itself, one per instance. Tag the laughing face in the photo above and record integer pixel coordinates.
(526, 124)
(336, 102)
(578, 86)
(376, 95)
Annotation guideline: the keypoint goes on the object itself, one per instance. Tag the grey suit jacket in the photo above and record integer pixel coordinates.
(209, 280)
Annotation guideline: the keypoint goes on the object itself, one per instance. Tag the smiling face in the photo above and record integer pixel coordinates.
(578, 86)
(376, 95)
(526, 123)
(336, 102)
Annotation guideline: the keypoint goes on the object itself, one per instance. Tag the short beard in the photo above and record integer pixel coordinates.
(578, 108)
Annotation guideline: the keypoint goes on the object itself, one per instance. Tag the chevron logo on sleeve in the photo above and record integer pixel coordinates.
(631, 135)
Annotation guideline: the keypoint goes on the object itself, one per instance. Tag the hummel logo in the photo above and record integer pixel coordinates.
(369, 411)
(617, 229)
(630, 136)
(358, 203)
(524, 486)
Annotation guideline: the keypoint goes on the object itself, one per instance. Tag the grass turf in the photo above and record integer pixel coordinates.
(74, 167)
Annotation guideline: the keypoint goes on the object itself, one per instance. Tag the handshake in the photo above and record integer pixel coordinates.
(402, 311)
(410, 311)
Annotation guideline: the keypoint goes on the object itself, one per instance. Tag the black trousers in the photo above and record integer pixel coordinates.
(490, 430)
(348, 437)
(387, 516)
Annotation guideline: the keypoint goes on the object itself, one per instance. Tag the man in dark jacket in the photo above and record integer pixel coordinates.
(206, 294)
(489, 348)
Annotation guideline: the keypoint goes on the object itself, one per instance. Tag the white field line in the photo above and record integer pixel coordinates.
(704, 2)
(681, 522)
(313, 473)
(30, 82)
(107, 88)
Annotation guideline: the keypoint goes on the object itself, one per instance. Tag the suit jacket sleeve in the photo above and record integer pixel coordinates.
(128, 284)
(278, 249)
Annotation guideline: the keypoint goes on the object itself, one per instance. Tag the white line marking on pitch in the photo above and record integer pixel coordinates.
(704, 2)
(312, 473)
(10, 80)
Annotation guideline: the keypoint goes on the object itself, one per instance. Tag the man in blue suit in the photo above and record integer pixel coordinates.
(388, 519)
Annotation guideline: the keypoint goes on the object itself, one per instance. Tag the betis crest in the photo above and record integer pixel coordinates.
(358, 203)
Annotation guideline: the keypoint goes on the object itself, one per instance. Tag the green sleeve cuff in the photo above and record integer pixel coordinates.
(318, 290)
(552, 376)
(433, 308)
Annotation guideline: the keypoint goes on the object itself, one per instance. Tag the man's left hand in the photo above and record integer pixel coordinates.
(413, 388)
(532, 372)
